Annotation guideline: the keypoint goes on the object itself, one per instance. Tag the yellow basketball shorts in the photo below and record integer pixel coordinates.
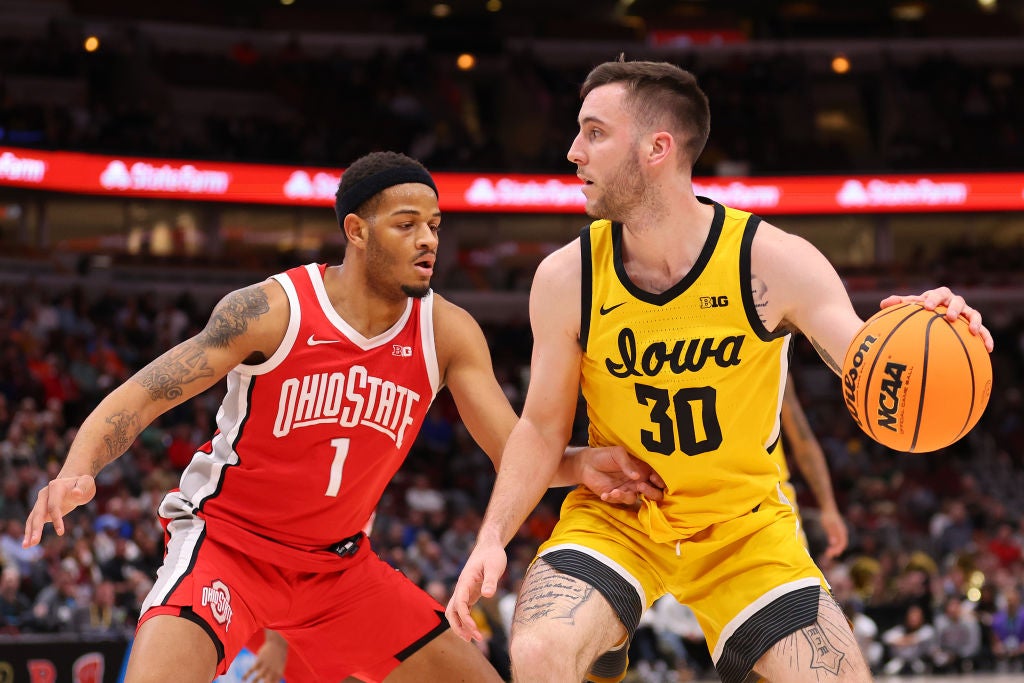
(749, 580)
(789, 495)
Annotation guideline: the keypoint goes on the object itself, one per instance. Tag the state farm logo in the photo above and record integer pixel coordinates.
(879, 192)
(320, 186)
(509, 192)
(217, 597)
(24, 169)
(166, 178)
(741, 195)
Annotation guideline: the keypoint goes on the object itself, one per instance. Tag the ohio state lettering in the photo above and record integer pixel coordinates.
(356, 399)
(217, 597)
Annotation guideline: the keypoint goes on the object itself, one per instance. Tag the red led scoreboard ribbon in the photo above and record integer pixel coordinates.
(93, 174)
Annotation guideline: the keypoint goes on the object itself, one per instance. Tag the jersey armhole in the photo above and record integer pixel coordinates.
(428, 344)
(294, 318)
(586, 286)
(746, 283)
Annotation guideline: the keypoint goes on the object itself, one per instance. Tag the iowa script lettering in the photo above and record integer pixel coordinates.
(686, 355)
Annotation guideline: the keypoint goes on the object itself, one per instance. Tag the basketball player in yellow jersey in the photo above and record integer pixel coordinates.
(653, 312)
(806, 452)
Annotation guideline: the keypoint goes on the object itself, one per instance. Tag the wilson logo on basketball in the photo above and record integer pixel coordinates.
(852, 376)
(889, 396)
(217, 597)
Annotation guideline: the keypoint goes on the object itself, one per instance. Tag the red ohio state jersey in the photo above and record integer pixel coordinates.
(308, 439)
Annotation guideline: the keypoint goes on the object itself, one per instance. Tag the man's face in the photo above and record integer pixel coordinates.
(401, 245)
(606, 155)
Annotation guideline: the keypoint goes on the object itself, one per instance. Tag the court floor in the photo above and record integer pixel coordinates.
(968, 678)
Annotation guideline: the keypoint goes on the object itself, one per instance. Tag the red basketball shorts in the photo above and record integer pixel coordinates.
(362, 621)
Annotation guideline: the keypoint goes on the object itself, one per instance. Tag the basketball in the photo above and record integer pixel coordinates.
(915, 382)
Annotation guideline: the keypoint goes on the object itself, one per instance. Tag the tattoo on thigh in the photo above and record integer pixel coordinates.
(824, 655)
(550, 593)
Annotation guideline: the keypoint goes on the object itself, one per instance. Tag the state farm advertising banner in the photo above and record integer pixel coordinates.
(489, 193)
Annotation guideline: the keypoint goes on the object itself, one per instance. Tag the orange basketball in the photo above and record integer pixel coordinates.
(915, 382)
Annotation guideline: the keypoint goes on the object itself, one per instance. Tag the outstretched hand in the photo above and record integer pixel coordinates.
(270, 661)
(835, 532)
(479, 577)
(56, 499)
(955, 307)
(618, 477)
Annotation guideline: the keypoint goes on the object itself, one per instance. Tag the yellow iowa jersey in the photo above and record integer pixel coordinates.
(779, 456)
(688, 380)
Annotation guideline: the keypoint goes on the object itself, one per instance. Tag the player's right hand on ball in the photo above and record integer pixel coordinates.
(479, 578)
(56, 499)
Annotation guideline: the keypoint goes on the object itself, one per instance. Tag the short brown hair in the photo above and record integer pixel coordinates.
(655, 89)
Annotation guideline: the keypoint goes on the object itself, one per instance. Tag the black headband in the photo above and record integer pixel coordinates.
(378, 182)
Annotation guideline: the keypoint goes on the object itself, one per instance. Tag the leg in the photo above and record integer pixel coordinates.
(824, 650)
(446, 658)
(562, 625)
(172, 650)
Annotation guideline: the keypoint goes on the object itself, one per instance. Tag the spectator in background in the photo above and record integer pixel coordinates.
(55, 606)
(10, 547)
(957, 638)
(909, 644)
(14, 604)
(422, 496)
(102, 616)
(1008, 632)
(679, 634)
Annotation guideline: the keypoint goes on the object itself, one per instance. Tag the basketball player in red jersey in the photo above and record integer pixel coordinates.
(330, 371)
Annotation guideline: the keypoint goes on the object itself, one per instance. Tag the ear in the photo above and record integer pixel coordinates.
(355, 229)
(663, 145)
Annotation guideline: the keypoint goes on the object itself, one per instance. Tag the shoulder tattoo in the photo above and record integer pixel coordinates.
(759, 288)
(232, 315)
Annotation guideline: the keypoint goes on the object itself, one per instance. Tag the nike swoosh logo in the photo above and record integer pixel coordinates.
(314, 342)
(606, 311)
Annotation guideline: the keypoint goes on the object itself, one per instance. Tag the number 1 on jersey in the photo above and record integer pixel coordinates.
(337, 466)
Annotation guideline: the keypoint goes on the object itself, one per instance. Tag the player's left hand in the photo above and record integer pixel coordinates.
(955, 307)
(617, 477)
(270, 661)
(835, 530)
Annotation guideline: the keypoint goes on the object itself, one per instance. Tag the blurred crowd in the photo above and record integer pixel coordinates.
(931, 578)
(515, 111)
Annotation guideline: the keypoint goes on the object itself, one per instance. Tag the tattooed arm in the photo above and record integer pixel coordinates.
(810, 459)
(796, 288)
(247, 324)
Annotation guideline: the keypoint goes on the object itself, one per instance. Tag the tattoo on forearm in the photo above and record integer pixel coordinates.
(549, 593)
(164, 377)
(829, 360)
(232, 315)
(760, 290)
(124, 429)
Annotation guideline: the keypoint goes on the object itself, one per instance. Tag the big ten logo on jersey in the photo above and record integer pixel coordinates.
(336, 399)
(401, 351)
(714, 301)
